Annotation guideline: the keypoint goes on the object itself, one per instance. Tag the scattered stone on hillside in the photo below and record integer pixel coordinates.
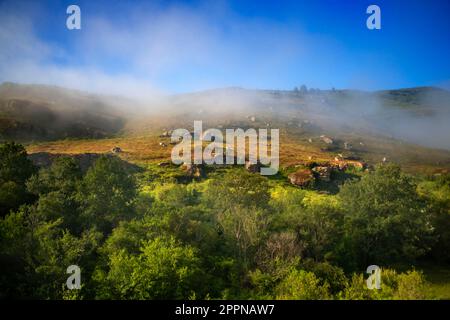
(304, 124)
(302, 177)
(326, 139)
(384, 159)
(164, 164)
(348, 146)
(358, 164)
(251, 118)
(165, 134)
(162, 144)
(323, 173)
(116, 150)
(194, 170)
(253, 167)
(214, 159)
(310, 140)
(342, 165)
(361, 144)
(219, 160)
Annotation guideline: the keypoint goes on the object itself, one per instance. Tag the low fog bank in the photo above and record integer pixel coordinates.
(417, 115)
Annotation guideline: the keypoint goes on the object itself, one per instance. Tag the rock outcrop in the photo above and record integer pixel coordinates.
(326, 139)
(116, 149)
(194, 170)
(253, 167)
(323, 173)
(302, 177)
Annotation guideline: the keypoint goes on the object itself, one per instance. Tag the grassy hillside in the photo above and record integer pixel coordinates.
(362, 125)
(238, 234)
(32, 112)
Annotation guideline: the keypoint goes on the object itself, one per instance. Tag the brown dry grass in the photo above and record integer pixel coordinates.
(293, 150)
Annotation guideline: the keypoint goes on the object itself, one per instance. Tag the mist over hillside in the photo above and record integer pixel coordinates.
(36, 112)
(416, 115)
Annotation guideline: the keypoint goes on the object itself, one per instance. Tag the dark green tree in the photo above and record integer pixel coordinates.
(164, 269)
(238, 188)
(436, 192)
(57, 189)
(385, 222)
(15, 169)
(106, 194)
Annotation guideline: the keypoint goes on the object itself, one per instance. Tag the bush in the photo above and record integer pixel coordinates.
(164, 269)
(301, 285)
(15, 169)
(385, 222)
(404, 286)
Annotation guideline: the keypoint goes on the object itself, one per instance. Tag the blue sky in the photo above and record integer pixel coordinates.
(145, 47)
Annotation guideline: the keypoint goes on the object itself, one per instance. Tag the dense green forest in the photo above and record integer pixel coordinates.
(145, 233)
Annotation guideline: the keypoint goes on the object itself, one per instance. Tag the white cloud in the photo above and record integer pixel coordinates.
(150, 50)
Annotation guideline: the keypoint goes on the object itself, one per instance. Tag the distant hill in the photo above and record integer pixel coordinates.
(406, 126)
(417, 115)
(37, 112)
(42, 113)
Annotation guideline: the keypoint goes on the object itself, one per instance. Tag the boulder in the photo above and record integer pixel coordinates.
(165, 134)
(348, 146)
(302, 177)
(342, 165)
(326, 139)
(323, 173)
(116, 150)
(194, 170)
(253, 167)
(358, 164)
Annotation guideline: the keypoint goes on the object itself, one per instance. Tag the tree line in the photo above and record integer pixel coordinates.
(234, 235)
